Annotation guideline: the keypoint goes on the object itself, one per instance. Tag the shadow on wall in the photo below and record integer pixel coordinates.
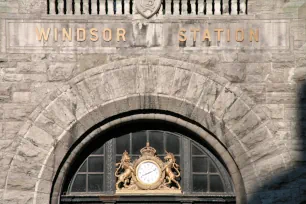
(289, 186)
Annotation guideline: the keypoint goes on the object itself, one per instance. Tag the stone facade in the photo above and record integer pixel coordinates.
(250, 96)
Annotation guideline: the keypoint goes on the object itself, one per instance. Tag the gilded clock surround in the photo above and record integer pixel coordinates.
(128, 182)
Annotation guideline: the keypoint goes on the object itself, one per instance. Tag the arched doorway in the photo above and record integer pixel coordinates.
(204, 177)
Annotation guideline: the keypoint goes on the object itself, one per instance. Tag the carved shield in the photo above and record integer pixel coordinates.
(147, 8)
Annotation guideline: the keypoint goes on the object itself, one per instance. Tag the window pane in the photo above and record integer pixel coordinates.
(156, 140)
(95, 183)
(196, 151)
(99, 151)
(200, 183)
(199, 164)
(122, 144)
(139, 141)
(172, 144)
(216, 184)
(84, 167)
(79, 184)
(212, 167)
(95, 164)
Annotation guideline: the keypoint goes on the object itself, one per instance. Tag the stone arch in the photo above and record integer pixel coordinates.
(147, 82)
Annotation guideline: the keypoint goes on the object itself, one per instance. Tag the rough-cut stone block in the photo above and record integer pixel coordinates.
(255, 91)
(16, 112)
(255, 57)
(246, 124)
(300, 60)
(146, 79)
(180, 82)
(235, 113)
(283, 57)
(60, 71)
(281, 98)
(18, 196)
(62, 111)
(31, 67)
(300, 74)
(164, 79)
(195, 88)
(257, 137)
(234, 72)
(224, 101)
(40, 138)
(20, 181)
(21, 97)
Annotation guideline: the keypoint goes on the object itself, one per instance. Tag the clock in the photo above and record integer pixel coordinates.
(148, 172)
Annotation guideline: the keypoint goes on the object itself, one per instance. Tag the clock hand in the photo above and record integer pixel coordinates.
(148, 173)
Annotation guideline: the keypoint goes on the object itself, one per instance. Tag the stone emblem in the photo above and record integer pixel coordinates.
(147, 8)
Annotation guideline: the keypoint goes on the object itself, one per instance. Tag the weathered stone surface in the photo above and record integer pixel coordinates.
(40, 138)
(31, 67)
(180, 82)
(255, 57)
(235, 113)
(246, 124)
(195, 88)
(224, 101)
(60, 71)
(300, 74)
(16, 113)
(164, 79)
(234, 72)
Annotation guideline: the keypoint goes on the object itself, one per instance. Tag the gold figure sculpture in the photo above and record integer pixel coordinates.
(148, 173)
(169, 165)
(125, 177)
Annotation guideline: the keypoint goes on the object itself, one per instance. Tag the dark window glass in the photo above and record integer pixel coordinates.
(84, 167)
(212, 167)
(196, 151)
(99, 151)
(95, 164)
(95, 182)
(139, 141)
(200, 183)
(79, 184)
(172, 144)
(122, 144)
(204, 175)
(156, 140)
(216, 184)
(199, 164)
(178, 160)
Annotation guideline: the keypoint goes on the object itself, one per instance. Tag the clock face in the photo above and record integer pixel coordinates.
(148, 172)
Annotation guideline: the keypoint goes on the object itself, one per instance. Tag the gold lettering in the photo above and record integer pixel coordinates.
(79, 37)
(182, 36)
(241, 35)
(219, 33)
(121, 33)
(254, 35)
(228, 35)
(55, 34)
(109, 38)
(206, 35)
(94, 35)
(41, 33)
(67, 35)
(195, 30)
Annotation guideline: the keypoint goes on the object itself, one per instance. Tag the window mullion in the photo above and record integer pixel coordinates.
(186, 165)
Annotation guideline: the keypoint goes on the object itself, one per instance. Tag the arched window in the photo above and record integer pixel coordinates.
(202, 175)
